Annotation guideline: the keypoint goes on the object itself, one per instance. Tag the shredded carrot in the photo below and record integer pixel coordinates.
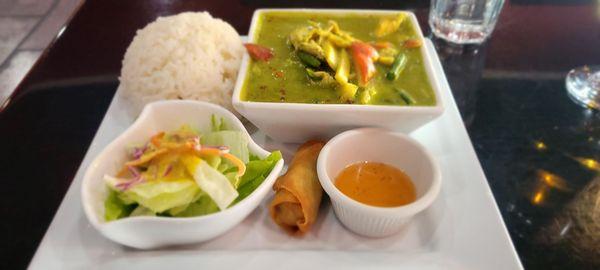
(236, 161)
(123, 172)
(146, 158)
(183, 147)
(156, 139)
(209, 151)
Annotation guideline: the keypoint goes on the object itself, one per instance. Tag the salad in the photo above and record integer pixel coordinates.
(185, 173)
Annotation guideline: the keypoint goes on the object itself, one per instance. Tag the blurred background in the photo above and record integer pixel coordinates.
(26, 28)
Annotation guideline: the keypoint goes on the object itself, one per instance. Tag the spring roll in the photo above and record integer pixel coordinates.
(298, 192)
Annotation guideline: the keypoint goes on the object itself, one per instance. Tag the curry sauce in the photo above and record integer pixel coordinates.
(286, 78)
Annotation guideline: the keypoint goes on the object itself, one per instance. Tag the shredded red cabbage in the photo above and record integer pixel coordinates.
(134, 171)
(130, 183)
(139, 151)
(168, 170)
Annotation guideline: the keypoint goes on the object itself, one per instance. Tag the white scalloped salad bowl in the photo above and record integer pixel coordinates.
(147, 232)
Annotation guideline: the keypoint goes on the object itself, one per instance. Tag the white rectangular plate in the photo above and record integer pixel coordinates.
(462, 230)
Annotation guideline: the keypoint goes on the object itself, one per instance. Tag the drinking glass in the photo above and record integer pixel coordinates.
(464, 21)
(583, 86)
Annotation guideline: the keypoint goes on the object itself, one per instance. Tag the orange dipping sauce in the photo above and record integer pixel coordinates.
(376, 184)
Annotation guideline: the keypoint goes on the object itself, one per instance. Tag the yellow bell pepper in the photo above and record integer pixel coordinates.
(331, 54)
(347, 90)
(388, 26)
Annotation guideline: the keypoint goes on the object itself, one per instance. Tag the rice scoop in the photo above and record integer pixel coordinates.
(186, 56)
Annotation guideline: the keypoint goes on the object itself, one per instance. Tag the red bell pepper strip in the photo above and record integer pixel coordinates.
(413, 43)
(258, 52)
(382, 45)
(363, 56)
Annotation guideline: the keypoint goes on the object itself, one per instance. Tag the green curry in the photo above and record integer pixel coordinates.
(326, 58)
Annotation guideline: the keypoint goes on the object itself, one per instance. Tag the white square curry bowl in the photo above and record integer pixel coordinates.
(298, 122)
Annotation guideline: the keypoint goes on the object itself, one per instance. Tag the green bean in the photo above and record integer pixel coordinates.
(406, 97)
(308, 59)
(397, 67)
(312, 74)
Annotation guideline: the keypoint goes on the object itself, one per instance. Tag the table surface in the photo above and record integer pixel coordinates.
(539, 150)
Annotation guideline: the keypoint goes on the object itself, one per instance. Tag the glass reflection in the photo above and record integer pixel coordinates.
(539, 145)
(463, 65)
(566, 202)
(589, 163)
(538, 197)
(577, 227)
(553, 181)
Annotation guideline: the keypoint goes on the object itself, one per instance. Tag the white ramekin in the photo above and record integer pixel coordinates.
(378, 145)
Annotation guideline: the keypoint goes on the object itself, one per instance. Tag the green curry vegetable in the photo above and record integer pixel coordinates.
(328, 58)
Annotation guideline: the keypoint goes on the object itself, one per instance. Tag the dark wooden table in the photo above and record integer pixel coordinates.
(538, 149)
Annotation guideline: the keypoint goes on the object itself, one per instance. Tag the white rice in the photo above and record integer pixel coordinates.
(186, 56)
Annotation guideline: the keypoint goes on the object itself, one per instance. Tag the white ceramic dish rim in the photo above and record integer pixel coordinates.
(433, 80)
(231, 120)
(405, 210)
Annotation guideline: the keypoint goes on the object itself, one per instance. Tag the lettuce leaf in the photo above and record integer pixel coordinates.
(141, 211)
(256, 168)
(217, 124)
(234, 179)
(237, 142)
(115, 208)
(211, 181)
(159, 195)
(248, 188)
(256, 172)
(214, 161)
(178, 209)
(203, 206)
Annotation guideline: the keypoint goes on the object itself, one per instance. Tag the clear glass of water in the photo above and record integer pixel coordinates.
(464, 21)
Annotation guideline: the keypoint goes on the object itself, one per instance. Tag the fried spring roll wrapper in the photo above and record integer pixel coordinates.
(298, 192)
